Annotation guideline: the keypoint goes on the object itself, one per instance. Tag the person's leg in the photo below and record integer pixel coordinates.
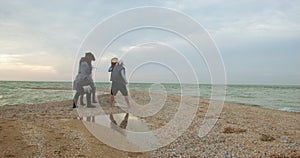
(75, 100)
(127, 101)
(111, 101)
(113, 93)
(81, 99)
(93, 92)
(94, 95)
(88, 100)
(124, 92)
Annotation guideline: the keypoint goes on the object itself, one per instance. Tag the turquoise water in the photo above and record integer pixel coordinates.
(20, 93)
(286, 98)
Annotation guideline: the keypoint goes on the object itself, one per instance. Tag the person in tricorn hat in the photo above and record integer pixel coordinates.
(93, 85)
(83, 83)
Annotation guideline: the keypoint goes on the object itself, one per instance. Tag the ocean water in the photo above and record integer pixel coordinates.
(279, 97)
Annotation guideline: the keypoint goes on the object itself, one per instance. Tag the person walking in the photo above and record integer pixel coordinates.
(92, 85)
(119, 82)
(83, 82)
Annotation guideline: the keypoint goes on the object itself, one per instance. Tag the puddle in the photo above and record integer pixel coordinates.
(128, 132)
(122, 131)
(119, 121)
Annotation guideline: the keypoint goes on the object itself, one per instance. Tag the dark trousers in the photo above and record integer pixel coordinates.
(93, 96)
(76, 97)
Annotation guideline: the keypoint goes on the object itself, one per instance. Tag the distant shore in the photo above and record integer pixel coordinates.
(54, 130)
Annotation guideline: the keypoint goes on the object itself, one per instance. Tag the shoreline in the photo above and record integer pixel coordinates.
(53, 129)
(279, 97)
(106, 91)
(261, 106)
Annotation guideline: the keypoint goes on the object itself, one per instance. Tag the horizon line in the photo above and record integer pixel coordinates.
(137, 82)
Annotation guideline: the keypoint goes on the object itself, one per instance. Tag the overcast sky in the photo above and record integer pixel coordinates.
(259, 41)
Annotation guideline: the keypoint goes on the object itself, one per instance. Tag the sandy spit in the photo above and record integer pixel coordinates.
(54, 130)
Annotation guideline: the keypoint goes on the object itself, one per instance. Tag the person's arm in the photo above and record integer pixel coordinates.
(123, 75)
(110, 69)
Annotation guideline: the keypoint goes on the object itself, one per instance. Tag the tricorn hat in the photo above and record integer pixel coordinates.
(90, 54)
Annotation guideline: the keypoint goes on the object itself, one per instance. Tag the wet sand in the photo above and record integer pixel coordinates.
(54, 130)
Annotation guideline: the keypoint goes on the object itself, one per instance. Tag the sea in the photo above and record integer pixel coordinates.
(279, 97)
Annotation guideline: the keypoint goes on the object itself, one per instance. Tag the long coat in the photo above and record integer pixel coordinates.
(83, 77)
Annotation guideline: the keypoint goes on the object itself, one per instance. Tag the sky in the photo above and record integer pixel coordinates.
(258, 41)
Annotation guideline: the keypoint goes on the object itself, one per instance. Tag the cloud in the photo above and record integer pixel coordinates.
(14, 68)
(244, 19)
(42, 38)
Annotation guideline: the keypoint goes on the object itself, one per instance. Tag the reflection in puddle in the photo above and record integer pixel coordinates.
(123, 131)
(119, 121)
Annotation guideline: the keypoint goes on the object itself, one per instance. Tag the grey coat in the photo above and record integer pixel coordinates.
(83, 77)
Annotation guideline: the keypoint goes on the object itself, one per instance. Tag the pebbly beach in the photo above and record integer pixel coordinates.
(56, 130)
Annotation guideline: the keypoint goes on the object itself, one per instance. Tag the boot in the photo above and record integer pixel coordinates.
(94, 97)
(75, 100)
(74, 105)
(88, 101)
